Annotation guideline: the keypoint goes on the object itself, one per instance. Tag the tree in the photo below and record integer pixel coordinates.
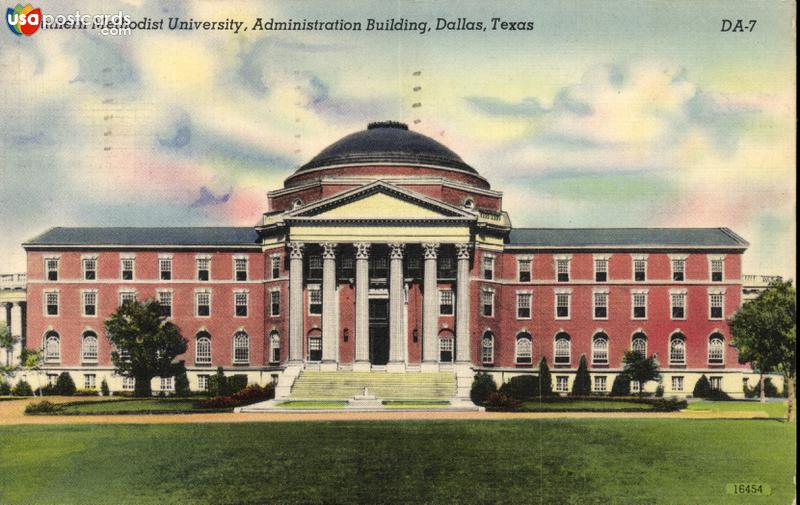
(621, 386)
(182, 385)
(765, 334)
(218, 384)
(582, 385)
(104, 388)
(145, 343)
(7, 342)
(545, 379)
(65, 386)
(639, 368)
(702, 389)
(483, 385)
(32, 361)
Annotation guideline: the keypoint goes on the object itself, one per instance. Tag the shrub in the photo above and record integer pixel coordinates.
(65, 386)
(545, 379)
(719, 395)
(660, 391)
(501, 402)
(22, 389)
(219, 402)
(483, 385)
(218, 384)
(47, 390)
(249, 394)
(42, 407)
(86, 392)
(5, 388)
(104, 388)
(582, 385)
(770, 390)
(521, 387)
(181, 384)
(702, 389)
(621, 386)
(237, 383)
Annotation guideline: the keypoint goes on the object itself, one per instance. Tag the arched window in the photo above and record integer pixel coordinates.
(52, 347)
(274, 347)
(203, 349)
(89, 346)
(677, 349)
(716, 349)
(524, 350)
(446, 342)
(487, 348)
(315, 346)
(639, 343)
(600, 349)
(241, 347)
(563, 349)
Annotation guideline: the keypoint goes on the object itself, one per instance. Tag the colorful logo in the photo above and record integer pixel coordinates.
(23, 20)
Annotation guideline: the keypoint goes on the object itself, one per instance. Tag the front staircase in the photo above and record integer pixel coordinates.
(342, 385)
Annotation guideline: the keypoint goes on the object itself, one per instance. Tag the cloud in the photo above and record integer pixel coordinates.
(527, 107)
(208, 198)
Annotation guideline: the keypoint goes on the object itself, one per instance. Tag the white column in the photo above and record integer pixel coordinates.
(362, 306)
(430, 306)
(330, 318)
(462, 305)
(396, 305)
(295, 302)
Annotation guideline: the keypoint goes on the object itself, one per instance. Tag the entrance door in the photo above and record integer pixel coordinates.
(379, 331)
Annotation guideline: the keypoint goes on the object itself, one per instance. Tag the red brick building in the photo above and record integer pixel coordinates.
(388, 253)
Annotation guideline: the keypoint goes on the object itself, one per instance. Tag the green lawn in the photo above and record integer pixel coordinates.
(584, 405)
(415, 404)
(773, 409)
(137, 406)
(586, 461)
(313, 404)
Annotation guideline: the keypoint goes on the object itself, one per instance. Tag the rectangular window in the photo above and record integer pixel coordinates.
(524, 270)
(203, 269)
(487, 303)
(677, 383)
(165, 300)
(377, 267)
(446, 302)
(126, 268)
(126, 297)
(562, 384)
(678, 305)
(562, 270)
(640, 270)
(51, 303)
(716, 383)
(240, 267)
(90, 303)
(678, 270)
(52, 379)
(600, 305)
(600, 270)
(315, 267)
(414, 267)
(275, 267)
(446, 268)
(524, 305)
(600, 383)
(314, 301)
(562, 305)
(635, 387)
(165, 268)
(488, 267)
(128, 383)
(639, 305)
(167, 384)
(240, 303)
(202, 382)
(89, 381)
(51, 265)
(274, 303)
(347, 267)
(717, 266)
(716, 302)
(203, 303)
(89, 269)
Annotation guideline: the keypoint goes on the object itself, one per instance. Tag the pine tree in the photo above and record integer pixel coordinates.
(65, 386)
(545, 379)
(582, 385)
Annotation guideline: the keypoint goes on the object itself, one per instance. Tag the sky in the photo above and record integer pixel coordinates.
(606, 114)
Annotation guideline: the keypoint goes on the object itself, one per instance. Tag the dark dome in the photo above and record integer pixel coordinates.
(387, 142)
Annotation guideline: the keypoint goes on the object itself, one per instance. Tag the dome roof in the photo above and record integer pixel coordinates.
(387, 142)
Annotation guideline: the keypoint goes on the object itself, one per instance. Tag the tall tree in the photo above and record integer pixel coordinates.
(765, 334)
(640, 368)
(7, 342)
(145, 343)
(545, 379)
(582, 385)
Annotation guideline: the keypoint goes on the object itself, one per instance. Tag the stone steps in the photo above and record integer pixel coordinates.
(386, 386)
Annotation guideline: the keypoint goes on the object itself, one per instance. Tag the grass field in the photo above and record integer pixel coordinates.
(136, 406)
(586, 461)
(772, 408)
(584, 405)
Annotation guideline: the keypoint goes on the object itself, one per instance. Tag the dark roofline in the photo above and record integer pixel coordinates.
(161, 240)
(737, 242)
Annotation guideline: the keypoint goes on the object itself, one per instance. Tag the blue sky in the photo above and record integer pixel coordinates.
(606, 114)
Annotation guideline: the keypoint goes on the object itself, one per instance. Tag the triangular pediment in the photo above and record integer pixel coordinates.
(380, 200)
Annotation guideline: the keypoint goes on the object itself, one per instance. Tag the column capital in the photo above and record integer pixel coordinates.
(462, 251)
(396, 252)
(431, 250)
(296, 250)
(362, 250)
(328, 250)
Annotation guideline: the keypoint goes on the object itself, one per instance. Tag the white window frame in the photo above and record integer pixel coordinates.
(89, 381)
(122, 259)
(641, 293)
(484, 293)
(84, 294)
(203, 358)
(638, 258)
(562, 384)
(561, 352)
(236, 340)
(675, 338)
(604, 294)
(599, 383)
(275, 261)
(674, 260)
(86, 356)
(713, 295)
(635, 387)
(165, 260)
(678, 383)
(166, 384)
(272, 293)
(85, 261)
(712, 258)
(487, 351)
(524, 260)
(562, 259)
(521, 295)
(51, 356)
(124, 293)
(518, 352)
(715, 381)
(128, 383)
(47, 294)
(48, 269)
(568, 294)
(197, 304)
(447, 343)
(202, 260)
(237, 293)
(487, 265)
(314, 288)
(600, 355)
(274, 345)
(167, 295)
(202, 382)
(685, 297)
(239, 258)
(601, 263)
(634, 338)
(444, 294)
(717, 361)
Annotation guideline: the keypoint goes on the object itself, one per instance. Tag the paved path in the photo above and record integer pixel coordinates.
(13, 412)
